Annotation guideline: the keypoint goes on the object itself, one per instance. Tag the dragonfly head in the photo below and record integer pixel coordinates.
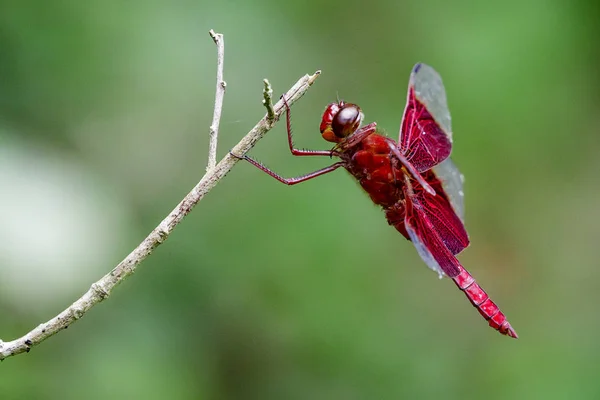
(340, 120)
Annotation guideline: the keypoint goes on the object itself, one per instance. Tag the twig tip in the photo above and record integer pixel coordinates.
(312, 78)
(216, 37)
(268, 100)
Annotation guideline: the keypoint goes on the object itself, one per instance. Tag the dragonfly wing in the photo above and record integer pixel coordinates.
(428, 242)
(423, 251)
(434, 227)
(439, 216)
(429, 90)
(426, 131)
(452, 182)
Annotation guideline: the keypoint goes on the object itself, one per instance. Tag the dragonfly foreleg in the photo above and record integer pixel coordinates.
(301, 152)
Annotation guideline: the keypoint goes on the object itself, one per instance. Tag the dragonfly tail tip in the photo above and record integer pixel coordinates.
(509, 331)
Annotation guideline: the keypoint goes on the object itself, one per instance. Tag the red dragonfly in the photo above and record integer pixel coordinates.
(413, 180)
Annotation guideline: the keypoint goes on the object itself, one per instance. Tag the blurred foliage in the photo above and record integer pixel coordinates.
(271, 292)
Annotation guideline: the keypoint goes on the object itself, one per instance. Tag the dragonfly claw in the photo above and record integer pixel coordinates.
(236, 156)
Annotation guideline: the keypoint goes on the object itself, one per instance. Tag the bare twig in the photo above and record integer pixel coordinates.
(219, 94)
(268, 100)
(102, 288)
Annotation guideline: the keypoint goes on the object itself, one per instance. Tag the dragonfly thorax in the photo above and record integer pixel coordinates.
(340, 120)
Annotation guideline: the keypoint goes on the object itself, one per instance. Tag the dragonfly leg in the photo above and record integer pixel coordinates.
(301, 152)
(290, 181)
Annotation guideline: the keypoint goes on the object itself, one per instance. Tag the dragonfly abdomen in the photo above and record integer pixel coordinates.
(482, 302)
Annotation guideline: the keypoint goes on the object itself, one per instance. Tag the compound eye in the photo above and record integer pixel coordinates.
(346, 121)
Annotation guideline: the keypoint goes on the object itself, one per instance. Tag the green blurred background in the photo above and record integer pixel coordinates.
(272, 292)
